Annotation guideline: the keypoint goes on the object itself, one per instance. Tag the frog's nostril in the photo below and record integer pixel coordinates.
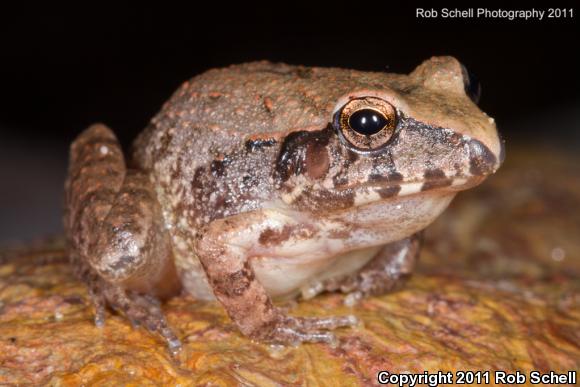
(482, 161)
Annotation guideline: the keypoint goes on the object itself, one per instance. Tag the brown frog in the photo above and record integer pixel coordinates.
(267, 181)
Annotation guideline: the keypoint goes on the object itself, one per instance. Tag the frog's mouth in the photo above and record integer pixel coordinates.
(478, 161)
(372, 192)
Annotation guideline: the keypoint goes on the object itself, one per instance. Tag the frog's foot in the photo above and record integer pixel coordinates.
(117, 241)
(370, 283)
(141, 310)
(296, 330)
(386, 272)
(356, 286)
(317, 287)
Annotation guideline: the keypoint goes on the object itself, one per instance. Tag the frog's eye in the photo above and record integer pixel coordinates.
(367, 123)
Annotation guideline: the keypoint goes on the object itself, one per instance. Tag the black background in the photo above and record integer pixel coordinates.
(63, 68)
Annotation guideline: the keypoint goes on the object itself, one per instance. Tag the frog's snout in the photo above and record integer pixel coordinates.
(482, 161)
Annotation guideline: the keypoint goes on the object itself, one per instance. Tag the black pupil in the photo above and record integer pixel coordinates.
(367, 121)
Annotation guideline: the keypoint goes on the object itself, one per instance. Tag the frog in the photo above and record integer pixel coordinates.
(263, 182)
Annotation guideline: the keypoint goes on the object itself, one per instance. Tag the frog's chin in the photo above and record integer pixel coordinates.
(398, 217)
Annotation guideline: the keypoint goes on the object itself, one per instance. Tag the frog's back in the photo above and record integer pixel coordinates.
(224, 107)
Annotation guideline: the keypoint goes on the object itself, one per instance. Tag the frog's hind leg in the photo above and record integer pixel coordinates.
(385, 272)
(116, 239)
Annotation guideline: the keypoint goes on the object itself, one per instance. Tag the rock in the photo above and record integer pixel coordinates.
(497, 289)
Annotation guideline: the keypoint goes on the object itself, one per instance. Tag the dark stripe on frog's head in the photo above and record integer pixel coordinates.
(388, 192)
(256, 144)
(390, 180)
(301, 150)
(435, 178)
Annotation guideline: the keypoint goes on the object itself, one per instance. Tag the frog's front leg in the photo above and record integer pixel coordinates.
(385, 272)
(225, 249)
(116, 239)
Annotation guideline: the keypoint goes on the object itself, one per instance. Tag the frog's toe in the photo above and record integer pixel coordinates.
(296, 330)
(140, 310)
(353, 298)
(97, 297)
(145, 310)
(296, 336)
(312, 290)
(100, 307)
(315, 288)
(333, 322)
